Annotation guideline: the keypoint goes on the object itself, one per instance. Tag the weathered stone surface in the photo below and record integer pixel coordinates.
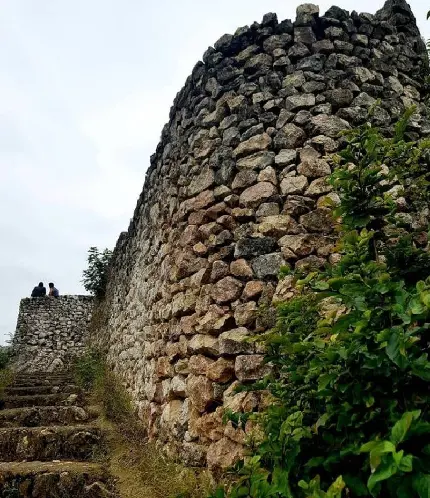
(199, 364)
(330, 126)
(235, 188)
(268, 265)
(253, 144)
(248, 247)
(278, 225)
(255, 195)
(221, 371)
(289, 137)
(224, 454)
(253, 289)
(294, 185)
(314, 168)
(250, 367)
(200, 391)
(41, 322)
(227, 289)
(235, 342)
(203, 344)
(240, 268)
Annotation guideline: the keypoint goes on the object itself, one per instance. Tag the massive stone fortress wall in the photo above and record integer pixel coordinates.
(237, 188)
(50, 332)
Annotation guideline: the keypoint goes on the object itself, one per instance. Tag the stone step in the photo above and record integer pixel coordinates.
(39, 400)
(80, 442)
(53, 480)
(47, 415)
(41, 382)
(14, 390)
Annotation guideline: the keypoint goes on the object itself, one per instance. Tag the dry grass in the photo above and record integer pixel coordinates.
(142, 471)
(138, 466)
(6, 377)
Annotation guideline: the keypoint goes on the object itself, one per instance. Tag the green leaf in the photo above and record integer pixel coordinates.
(421, 484)
(382, 473)
(405, 464)
(402, 426)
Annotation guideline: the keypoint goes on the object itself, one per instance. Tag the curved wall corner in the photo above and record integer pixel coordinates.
(236, 189)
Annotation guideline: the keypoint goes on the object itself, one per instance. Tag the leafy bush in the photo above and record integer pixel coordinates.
(4, 356)
(96, 275)
(350, 384)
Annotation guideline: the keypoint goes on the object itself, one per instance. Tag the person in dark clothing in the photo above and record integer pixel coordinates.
(52, 290)
(39, 291)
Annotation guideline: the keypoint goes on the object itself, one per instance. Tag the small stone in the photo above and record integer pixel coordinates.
(294, 185)
(240, 268)
(255, 195)
(311, 263)
(223, 454)
(234, 342)
(221, 371)
(227, 289)
(245, 178)
(259, 160)
(203, 344)
(318, 187)
(245, 314)
(330, 126)
(200, 392)
(254, 144)
(268, 175)
(314, 168)
(278, 225)
(253, 289)
(251, 367)
(199, 364)
(319, 220)
(267, 209)
(304, 35)
(286, 157)
(289, 137)
(295, 80)
(268, 265)
(249, 247)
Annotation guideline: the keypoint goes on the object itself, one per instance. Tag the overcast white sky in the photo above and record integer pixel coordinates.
(85, 88)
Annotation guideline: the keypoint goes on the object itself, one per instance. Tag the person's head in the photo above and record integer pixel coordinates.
(51, 285)
(40, 284)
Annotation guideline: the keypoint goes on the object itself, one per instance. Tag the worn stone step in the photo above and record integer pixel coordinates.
(47, 415)
(53, 480)
(80, 442)
(39, 400)
(41, 382)
(14, 390)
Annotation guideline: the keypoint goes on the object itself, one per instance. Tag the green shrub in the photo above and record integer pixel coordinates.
(92, 374)
(351, 384)
(4, 356)
(96, 275)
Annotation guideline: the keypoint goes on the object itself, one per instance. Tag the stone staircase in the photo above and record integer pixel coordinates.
(50, 443)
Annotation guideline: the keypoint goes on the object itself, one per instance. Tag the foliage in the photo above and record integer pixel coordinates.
(350, 351)
(4, 356)
(92, 373)
(96, 275)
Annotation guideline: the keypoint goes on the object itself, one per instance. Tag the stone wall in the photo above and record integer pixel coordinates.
(50, 332)
(237, 188)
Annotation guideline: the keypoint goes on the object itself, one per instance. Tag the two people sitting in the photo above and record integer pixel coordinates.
(40, 290)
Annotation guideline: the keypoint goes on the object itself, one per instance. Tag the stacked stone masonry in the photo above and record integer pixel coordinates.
(237, 188)
(51, 332)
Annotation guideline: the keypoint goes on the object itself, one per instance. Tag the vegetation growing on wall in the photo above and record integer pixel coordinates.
(96, 275)
(351, 382)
